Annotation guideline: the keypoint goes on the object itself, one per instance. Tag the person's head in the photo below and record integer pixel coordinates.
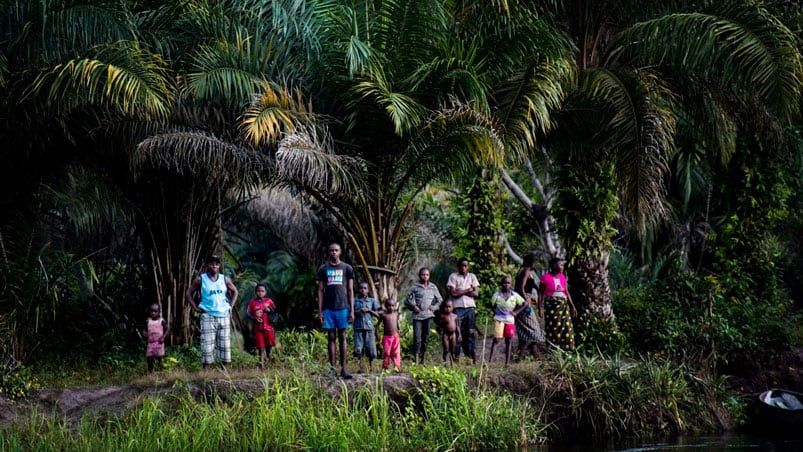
(362, 289)
(423, 275)
(155, 311)
(333, 251)
(462, 266)
(529, 261)
(556, 265)
(506, 283)
(448, 307)
(213, 265)
(261, 291)
(390, 304)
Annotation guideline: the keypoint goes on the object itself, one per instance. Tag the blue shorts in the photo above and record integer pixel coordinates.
(336, 319)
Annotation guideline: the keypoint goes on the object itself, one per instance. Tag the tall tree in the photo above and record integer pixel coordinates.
(405, 100)
(641, 65)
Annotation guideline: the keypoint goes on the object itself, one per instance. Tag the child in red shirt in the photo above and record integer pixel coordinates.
(258, 310)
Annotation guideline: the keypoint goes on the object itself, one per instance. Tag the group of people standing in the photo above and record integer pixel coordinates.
(517, 308)
(516, 312)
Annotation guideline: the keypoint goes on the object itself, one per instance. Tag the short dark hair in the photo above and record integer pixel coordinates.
(213, 258)
(553, 262)
(461, 260)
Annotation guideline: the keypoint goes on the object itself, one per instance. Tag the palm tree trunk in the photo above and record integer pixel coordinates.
(591, 289)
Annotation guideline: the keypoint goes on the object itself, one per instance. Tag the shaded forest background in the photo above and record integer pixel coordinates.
(656, 145)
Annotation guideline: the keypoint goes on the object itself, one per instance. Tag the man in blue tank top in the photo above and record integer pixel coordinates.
(215, 291)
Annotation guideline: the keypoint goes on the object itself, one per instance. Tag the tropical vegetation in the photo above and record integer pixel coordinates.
(656, 145)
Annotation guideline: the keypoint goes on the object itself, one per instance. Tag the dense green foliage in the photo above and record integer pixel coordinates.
(139, 137)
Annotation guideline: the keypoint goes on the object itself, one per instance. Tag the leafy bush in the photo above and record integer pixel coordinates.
(16, 382)
(598, 397)
(685, 316)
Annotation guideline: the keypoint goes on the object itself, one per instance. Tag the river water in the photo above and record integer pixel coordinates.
(721, 443)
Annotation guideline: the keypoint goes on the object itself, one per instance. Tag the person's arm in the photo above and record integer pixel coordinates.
(375, 314)
(436, 299)
(475, 287)
(410, 301)
(189, 295)
(522, 284)
(521, 304)
(350, 294)
(320, 301)
(571, 303)
(541, 292)
(234, 293)
(165, 331)
(472, 291)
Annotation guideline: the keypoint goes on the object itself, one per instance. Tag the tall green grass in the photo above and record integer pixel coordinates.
(295, 412)
(599, 397)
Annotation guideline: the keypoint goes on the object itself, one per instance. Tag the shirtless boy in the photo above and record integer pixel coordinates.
(391, 346)
(450, 324)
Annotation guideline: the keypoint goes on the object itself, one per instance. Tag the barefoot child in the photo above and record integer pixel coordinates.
(156, 330)
(364, 342)
(258, 310)
(450, 324)
(507, 305)
(390, 339)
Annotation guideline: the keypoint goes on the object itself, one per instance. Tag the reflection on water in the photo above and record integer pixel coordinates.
(729, 443)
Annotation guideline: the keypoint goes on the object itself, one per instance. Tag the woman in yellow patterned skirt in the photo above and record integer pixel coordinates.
(558, 306)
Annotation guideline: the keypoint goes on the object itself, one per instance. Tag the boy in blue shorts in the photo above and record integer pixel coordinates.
(336, 304)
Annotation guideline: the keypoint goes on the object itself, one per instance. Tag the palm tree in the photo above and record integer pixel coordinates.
(404, 101)
(155, 110)
(639, 65)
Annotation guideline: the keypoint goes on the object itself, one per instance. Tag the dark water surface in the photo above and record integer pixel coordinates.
(722, 443)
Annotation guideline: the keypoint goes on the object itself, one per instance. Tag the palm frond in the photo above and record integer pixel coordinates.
(454, 141)
(273, 113)
(121, 77)
(737, 43)
(709, 118)
(640, 133)
(402, 109)
(89, 204)
(201, 154)
(459, 72)
(526, 101)
(306, 159)
(48, 32)
(230, 71)
(3, 69)
(291, 217)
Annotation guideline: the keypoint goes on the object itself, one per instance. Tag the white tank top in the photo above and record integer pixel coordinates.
(213, 296)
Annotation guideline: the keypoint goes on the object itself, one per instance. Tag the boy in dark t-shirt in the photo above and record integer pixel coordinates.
(336, 304)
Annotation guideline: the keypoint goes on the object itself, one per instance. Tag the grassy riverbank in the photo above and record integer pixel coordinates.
(564, 397)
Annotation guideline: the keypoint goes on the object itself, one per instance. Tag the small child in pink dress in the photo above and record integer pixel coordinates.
(156, 330)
